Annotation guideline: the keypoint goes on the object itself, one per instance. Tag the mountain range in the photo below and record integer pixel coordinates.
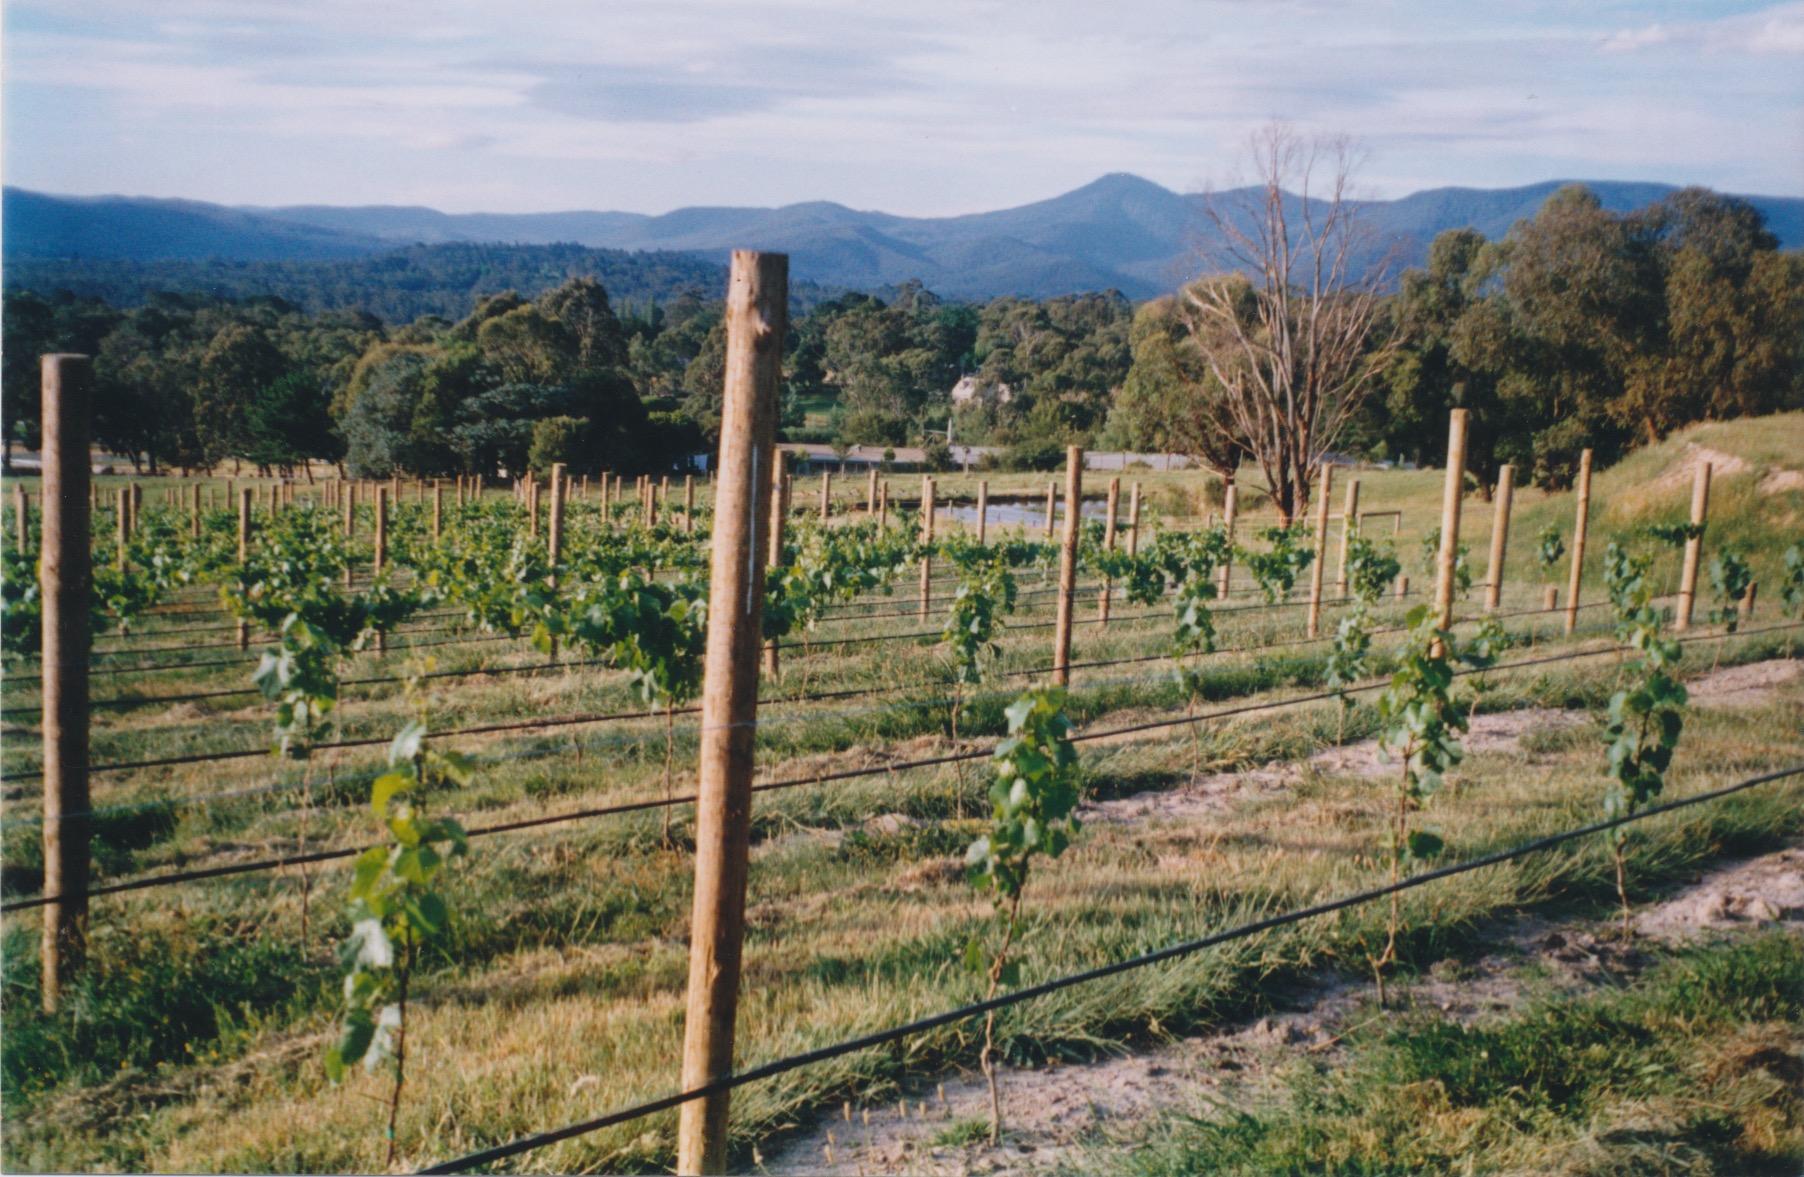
(1120, 231)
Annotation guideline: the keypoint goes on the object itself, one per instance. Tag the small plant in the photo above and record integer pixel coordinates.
(395, 912)
(1033, 811)
(986, 590)
(1462, 562)
(1421, 721)
(1791, 589)
(1277, 570)
(1645, 717)
(1730, 578)
(1370, 569)
(1549, 547)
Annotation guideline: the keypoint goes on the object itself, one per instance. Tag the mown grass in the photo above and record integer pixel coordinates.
(569, 959)
(197, 1031)
(1692, 1069)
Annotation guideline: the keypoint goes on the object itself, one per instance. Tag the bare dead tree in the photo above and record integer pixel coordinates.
(1290, 332)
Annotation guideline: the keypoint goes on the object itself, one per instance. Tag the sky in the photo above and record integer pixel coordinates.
(918, 107)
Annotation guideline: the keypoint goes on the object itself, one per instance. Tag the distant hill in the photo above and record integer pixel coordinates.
(1120, 231)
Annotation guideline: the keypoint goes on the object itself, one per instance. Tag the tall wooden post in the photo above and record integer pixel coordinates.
(688, 504)
(194, 512)
(122, 524)
(65, 579)
(883, 506)
(870, 494)
(779, 507)
(1500, 537)
(1349, 527)
(246, 505)
(1318, 566)
(826, 494)
(1134, 521)
(927, 541)
(983, 509)
(350, 527)
(756, 306)
(554, 532)
(381, 556)
(1052, 496)
(22, 515)
(1061, 633)
(1694, 547)
(1231, 500)
(1108, 543)
(1582, 518)
(1453, 492)
(438, 510)
(137, 507)
(532, 508)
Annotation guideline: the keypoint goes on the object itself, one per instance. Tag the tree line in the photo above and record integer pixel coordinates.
(1580, 328)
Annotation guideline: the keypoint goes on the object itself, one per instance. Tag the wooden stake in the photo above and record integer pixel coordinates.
(194, 513)
(65, 580)
(438, 510)
(381, 559)
(826, 494)
(870, 495)
(1500, 537)
(926, 539)
(350, 525)
(1453, 491)
(554, 532)
(1318, 566)
(1551, 597)
(756, 305)
(779, 508)
(1231, 501)
(22, 513)
(1349, 527)
(1052, 494)
(1582, 518)
(246, 506)
(983, 509)
(1134, 521)
(1108, 543)
(122, 524)
(1694, 547)
(883, 506)
(688, 504)
(1061, 634)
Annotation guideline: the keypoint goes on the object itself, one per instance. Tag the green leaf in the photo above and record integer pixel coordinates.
(383, 789)
(1424, 845)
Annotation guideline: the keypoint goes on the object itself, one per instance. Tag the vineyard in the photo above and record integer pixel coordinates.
(392, 828)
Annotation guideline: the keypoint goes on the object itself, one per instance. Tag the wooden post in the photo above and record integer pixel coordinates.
(350, 525)
(1500, 537)
(1061, 633)
(826, 494)
(1402, 587)
(122, 524)
(532, 508)
(926, 539)
(1453, 492)
(1108, 543)
(381, 557)
(554, 532)
(983, 509)
(1318, 566)
(1551, 597)
(22, 513)
(1745, 609)
(246, 505)
(137, 507)
(1134, 521)
(756, 305)
(438, 510)
(883, 506)
(688, 504)
(779, 508)
(65, 578)
(870, 494)
(194, 513)
(1694, 547)
(1231, 501)
(1349, 526)
(1582, 517)
(1052, 492)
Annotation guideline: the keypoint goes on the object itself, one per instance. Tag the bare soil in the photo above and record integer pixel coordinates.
(1051, 1114)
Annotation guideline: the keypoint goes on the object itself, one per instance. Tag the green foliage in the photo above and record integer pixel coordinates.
(1674, 535)
(986, 589)
(395, 910)
(656, 631)
(22, 618)
(1033, 800)
(1371, 568)
(1645, 718)
(1277, 570)
(1730, 579)
(1421, 721)
(1190, 560)
(1791, 589)
(1549, 547)
(1462, 562)
(558, 439)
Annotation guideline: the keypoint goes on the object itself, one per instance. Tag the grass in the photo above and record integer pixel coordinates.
(1693, 1069)
(560, 994)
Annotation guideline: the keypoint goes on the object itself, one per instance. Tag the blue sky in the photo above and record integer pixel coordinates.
(922, 107)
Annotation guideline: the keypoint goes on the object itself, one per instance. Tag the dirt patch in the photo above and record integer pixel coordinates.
(1740, 686)
(1782, 480)
(1051, 1114)
(1685, 470)
(1764, 890)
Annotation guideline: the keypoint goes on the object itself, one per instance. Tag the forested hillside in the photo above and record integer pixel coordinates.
(1582, 327)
